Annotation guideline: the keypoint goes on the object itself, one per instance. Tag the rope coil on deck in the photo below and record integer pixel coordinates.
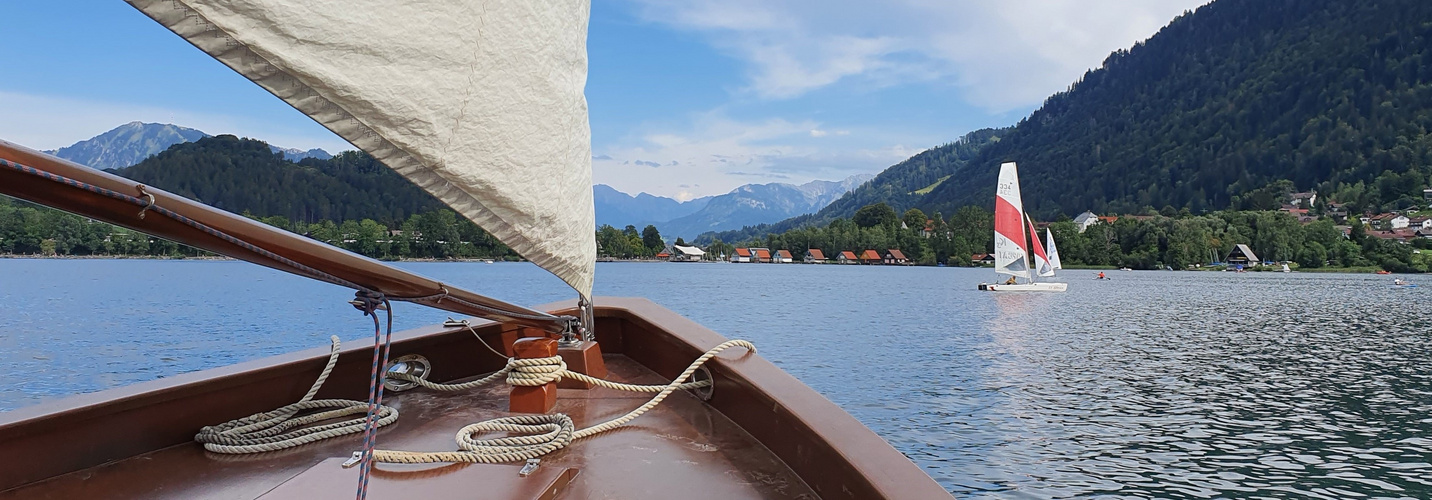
(543, 434)
(282, 428)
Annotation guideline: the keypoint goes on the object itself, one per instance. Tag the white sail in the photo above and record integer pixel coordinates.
(1052, 252)
(479, 103)
(1010, 256)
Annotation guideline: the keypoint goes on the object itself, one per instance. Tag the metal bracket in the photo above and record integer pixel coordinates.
(353, 460)
(532, 464)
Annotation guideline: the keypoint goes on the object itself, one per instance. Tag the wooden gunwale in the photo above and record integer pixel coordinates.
(827, 448)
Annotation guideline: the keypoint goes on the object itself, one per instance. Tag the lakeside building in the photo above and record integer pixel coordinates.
(742, 255)
(681, 253)
(847, 257)
(1303, 200)
(1241, 254)
(783, 257)
(982, 259)
(761, 255)
(895, 257)
(814, 256)
(870, 257)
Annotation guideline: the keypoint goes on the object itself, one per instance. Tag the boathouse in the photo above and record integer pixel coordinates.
(814, 256)
(1241, 254)
(870, 257)
(846, 257)
(681, 253)
(895, 257)
(741, 255)
(761, 255)
(783, 257)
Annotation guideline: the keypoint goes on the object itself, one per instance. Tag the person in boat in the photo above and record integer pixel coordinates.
(1010, 281)
(1399, 282)
(1101, 274)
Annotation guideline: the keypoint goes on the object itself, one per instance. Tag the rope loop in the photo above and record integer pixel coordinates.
(533, 372)
(149, 204)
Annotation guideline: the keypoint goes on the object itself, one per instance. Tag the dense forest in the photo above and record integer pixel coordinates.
(28, 229)
(1170, 239)
(1328, 94)
(245, 175)
(901, 186)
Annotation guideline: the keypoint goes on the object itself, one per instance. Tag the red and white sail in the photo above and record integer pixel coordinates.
(1010, 255)
(1041, 260)
(1053, 253)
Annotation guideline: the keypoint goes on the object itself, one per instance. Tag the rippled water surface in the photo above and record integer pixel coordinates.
(1153, 384)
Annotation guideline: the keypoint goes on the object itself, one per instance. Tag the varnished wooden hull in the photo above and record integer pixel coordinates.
(763, 434)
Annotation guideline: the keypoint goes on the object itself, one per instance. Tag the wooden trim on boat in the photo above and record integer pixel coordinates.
(326, 258)
(832, 452)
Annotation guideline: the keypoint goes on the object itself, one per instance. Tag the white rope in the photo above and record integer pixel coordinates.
(540, 434)
(281, 428)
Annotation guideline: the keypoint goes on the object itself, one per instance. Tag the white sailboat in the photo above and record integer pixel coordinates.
(1010, 252)
(1053, 253)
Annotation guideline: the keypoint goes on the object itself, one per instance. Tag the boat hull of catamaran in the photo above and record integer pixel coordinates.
(1024, 287)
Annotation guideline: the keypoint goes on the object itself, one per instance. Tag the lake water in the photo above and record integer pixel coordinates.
(1153, 384)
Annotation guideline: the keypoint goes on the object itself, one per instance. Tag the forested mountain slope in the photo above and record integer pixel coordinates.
(245, 175)
(1224, 102)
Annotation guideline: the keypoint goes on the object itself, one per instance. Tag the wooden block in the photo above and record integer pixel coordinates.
(586, 358)
(538, 399)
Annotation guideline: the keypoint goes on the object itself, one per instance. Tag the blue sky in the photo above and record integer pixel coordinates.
(688, 98)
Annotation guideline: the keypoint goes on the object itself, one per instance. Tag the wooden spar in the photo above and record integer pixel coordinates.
(395, 283)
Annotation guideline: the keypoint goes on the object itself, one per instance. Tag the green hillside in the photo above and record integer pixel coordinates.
(1224, 102)
(245, 175)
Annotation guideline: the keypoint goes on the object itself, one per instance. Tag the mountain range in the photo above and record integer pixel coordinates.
(750, 204)
(132, 142)
(244, 175)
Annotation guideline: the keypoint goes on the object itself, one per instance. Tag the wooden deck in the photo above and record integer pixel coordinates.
(763, 434)
(682, 449)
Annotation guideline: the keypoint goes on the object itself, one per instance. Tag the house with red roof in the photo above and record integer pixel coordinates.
(982, 259)
(895, 257)
(761, 255)
(847, 257)
(870, 257)
(814, 256)
(783, 257)
(741, 255)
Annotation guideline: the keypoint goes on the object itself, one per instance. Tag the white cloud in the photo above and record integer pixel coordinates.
(47, 122)
(713, 153)
(1005, 55)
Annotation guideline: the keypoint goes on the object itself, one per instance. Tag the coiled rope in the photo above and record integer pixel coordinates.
(541, 434)
(282, 428)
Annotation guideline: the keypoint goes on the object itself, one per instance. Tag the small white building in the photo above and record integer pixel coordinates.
(686, 254)
(1086, 219)
(1399, 222)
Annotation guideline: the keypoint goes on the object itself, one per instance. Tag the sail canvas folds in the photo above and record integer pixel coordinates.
(1009, 238)
(479, 103)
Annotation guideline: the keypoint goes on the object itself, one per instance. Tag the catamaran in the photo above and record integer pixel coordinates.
(1011, 253)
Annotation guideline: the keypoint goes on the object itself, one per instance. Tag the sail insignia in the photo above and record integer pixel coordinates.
(1010, 256)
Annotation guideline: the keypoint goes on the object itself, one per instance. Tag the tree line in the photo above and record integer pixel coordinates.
(1151, 240)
